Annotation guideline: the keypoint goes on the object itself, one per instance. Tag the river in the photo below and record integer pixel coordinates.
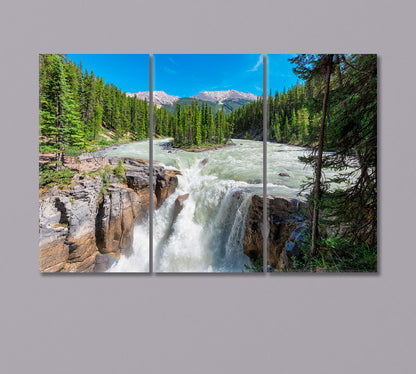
(208, 233)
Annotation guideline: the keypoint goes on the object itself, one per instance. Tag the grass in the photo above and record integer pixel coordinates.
(106, 142)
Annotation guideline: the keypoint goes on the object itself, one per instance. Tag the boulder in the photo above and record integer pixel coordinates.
(138, 162)
(178, 206)
(164, 181)
(269, 269)
(166, 184)
(137, 177)
(286, 223)
(176, 210)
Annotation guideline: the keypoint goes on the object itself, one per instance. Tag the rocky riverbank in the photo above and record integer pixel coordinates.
(286, 222)
(87, 225)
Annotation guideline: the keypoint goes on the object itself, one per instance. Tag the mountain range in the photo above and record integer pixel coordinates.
(227, 99)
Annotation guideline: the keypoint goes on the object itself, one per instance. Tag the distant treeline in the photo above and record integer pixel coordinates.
(289, 120)
(196, 125)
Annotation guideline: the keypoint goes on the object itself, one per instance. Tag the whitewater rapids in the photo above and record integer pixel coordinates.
(208, 234)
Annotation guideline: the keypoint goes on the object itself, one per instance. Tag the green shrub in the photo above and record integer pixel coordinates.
(49, 176)
(106, 175)
(255, 265)
(336, 254)
(70, 151)
(106, 178)
(119, 172)
(47, 148)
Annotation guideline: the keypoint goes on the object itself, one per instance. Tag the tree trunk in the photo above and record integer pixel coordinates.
(318, 166)
(363, 168)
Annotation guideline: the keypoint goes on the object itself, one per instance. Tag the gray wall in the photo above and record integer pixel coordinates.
(206, 324)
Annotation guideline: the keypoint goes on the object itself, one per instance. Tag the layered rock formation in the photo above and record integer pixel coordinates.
(87, 226)
(286, 223)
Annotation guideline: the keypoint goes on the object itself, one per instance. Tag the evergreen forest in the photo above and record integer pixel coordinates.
(78, 111)
(333, 107)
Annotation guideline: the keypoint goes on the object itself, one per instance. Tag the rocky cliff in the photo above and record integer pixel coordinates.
(88, 225)
(286, 223)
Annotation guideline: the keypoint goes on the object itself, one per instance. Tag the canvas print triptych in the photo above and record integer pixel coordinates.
(202, 168)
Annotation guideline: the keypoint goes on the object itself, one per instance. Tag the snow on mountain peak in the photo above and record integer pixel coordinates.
(159, 97)
(162, 98)
(220, 96)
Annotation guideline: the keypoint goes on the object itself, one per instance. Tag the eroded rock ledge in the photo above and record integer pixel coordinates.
(86, 227)
(286, 221)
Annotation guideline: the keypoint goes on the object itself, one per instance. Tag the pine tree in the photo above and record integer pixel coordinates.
(210, 125)
(276, 128)
(59, 117)
(303, 124)
(196, 123)
(178, 126)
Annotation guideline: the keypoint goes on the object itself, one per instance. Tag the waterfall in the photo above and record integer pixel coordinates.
(138, 261)
(207, 235)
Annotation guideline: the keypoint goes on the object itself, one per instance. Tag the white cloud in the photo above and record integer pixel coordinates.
(168, 70)
(172, 61)
(258, 63)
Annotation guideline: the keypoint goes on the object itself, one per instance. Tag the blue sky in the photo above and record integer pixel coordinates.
(187, 75)
(128, 72)
(279, 73)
